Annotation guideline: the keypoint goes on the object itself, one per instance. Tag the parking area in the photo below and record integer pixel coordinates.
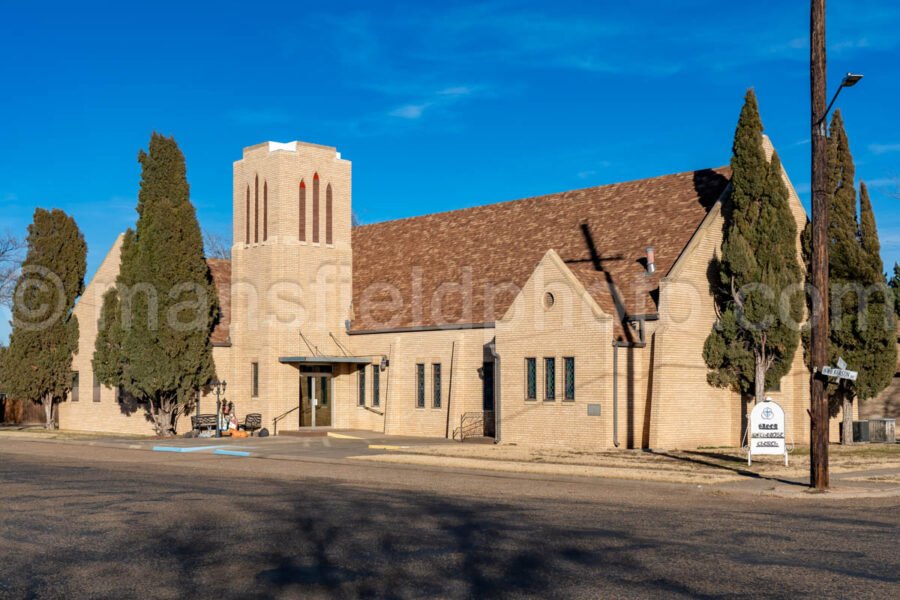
(336, 445)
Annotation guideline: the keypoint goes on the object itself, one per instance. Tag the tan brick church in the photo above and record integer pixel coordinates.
(574, 319)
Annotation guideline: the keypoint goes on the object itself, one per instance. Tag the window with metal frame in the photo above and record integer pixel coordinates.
(420, 385)
(75, 386)
(531, 379)
(376, 386)
(96, 392)
(254, 379)
(569, 372)
(361, 396)
(549, 379)
(436, 384)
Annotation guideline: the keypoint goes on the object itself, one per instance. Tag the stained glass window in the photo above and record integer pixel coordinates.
(531, 379)
(420, 386)
(550, 379)
(570, 377)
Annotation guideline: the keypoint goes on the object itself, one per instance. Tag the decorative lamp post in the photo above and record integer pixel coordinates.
(219, 386)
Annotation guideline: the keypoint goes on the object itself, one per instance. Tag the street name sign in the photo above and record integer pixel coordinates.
(839, 373)
(767, 431)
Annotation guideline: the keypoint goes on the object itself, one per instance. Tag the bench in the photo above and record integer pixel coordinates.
(252, 422)
(203, 422)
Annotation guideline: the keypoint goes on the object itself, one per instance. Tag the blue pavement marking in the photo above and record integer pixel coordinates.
(231, 452)
(180, 449)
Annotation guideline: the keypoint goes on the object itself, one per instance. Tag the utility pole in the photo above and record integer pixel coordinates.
(818, 444)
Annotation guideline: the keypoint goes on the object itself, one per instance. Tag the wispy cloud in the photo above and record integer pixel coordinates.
(883, 148)
(440, 99)
(883, 182)
(596, 167)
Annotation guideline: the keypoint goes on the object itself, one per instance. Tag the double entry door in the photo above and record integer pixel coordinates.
(315, 400)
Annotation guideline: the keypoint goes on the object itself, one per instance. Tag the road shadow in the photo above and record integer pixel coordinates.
(705, 459)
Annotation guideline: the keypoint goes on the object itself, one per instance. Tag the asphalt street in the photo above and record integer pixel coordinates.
(88, 522)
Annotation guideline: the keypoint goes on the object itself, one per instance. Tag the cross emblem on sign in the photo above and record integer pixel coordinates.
(767, 413)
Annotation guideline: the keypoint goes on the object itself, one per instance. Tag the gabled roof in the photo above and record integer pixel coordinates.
(601, 233)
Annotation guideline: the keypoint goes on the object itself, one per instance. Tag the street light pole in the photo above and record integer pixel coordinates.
(818, 413)
(818, 444)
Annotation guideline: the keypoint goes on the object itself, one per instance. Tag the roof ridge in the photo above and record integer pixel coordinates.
(539, 197)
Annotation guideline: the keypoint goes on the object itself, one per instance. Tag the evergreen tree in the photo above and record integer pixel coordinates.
(879, 356)
(38, 364)
(753, 342)
(845, 265)
(894, 284)
(108, 345)
(155, 327)
(861, 330)
(845, 258)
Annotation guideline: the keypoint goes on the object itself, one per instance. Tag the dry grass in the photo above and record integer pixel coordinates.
(38, 432)
(715, 465)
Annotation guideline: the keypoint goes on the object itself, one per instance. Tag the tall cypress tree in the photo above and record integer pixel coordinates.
(44, 338)
(861, 330)
(894, 284)
(879, 356)
(845, 265)
(155, 327)
(754, 339)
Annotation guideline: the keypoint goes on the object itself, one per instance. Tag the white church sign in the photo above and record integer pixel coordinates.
(767, 431)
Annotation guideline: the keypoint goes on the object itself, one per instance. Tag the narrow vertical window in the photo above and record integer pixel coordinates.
(265, 210)
(302, 211)
(420, 386)
(247, 238)
(256, 211)
(75, 386)
(361, 397)
(531, 379)
(436, 383)
(315, 224)
(329, 238)
(254, 380)
(550, 379)
(569, 372)
(376, 386)
(96, 393)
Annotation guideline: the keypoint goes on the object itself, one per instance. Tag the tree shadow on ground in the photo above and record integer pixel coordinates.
(135, 534)
(698, 457)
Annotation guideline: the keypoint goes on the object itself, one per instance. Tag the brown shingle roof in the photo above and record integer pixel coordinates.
(221, 274)
(501, 244)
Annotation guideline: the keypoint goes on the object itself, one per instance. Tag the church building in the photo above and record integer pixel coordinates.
(575, 319)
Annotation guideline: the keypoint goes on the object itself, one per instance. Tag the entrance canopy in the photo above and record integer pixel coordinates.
(325, 360)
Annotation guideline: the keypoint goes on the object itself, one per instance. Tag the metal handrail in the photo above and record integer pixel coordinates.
(281, 416)
(476, 418)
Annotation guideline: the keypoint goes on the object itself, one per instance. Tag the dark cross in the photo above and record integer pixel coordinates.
(598, 262)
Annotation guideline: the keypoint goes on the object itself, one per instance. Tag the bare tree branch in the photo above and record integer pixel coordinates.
(11, 257)
(216, 246)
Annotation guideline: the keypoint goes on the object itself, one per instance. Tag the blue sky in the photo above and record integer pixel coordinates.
(439, 106)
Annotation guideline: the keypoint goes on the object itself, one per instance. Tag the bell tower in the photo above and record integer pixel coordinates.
(291, 258)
